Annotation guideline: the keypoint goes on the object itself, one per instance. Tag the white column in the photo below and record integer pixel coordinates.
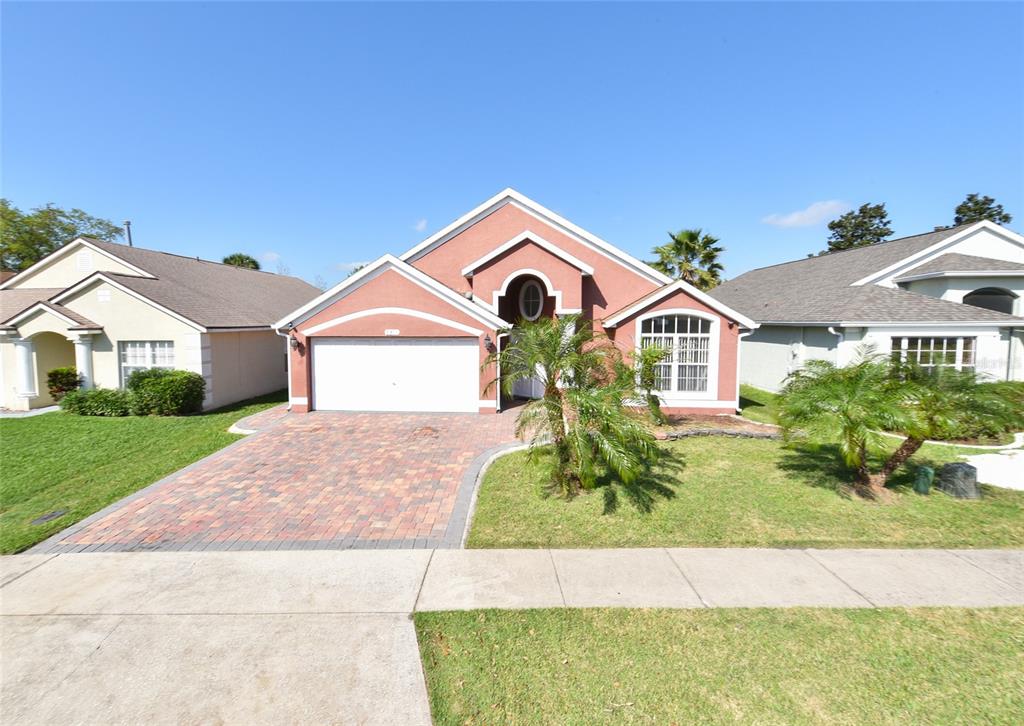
(83, 358)
(25, 370)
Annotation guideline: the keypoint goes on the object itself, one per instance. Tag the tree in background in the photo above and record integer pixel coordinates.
(240, 259)
(691, 256)
(27, 238)
(859, 228)
(975, 208)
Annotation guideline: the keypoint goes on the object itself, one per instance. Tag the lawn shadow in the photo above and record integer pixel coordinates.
(822, 466)
(658, 481)
(750, 403)
(817, 465)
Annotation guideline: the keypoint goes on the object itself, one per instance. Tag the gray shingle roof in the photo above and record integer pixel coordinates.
(210, 293)
(954, 262)
(13, 301)
(818, 289)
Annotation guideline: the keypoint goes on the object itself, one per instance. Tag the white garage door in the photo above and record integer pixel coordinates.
(407, 374)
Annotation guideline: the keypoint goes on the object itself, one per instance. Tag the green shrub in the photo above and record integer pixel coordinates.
(975, 426)
(61, 381)
(98, 402)
(166, 392)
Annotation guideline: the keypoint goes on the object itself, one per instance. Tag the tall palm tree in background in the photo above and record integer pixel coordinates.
(240, 259)
(692, 256)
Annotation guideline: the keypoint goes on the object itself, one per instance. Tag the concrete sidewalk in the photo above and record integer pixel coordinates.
(325, 637)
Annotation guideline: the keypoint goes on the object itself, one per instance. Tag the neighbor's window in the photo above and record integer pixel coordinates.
(688, 338)
(531, 300)
(991, 298)
(137, 355)
(955, 353)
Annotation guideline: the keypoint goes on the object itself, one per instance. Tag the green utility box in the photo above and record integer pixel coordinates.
(924, 479)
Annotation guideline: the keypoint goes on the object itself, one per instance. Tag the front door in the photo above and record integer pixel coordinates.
(527, 386)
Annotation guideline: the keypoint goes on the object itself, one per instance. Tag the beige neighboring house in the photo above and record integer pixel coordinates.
(109, 310)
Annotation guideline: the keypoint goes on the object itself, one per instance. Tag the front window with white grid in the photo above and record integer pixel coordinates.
(688, 340)
(137, 355)
(957, 353)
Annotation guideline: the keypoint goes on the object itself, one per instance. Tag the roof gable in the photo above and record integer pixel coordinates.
(677, 286)
(528, 238)
(511, 196)
(103, 249)
(962, 235)
(952, 264)
(376, 268)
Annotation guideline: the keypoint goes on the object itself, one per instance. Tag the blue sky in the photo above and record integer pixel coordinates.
(318, 135)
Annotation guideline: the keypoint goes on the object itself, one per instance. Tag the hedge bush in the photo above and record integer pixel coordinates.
(166, 392)
(978, 428)
(61, 381)
(98, 402)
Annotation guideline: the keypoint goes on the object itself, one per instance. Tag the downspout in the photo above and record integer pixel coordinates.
(497, 370)
(842, 337)
(288, 362)
(1009, 353)
(739, 351)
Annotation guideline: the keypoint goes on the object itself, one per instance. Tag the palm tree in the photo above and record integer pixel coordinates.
(939, 402)
(240, 259)
(853, 404)
(692, 256)
(583, 410)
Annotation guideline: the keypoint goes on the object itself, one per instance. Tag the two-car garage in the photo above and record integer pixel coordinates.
(396, 374)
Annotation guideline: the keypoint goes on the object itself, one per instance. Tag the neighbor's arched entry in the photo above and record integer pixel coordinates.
(992, 298)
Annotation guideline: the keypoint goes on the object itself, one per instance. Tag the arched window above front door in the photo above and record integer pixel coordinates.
(991, 298)
(691, 365)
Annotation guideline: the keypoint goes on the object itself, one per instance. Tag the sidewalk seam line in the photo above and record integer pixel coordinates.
(829, 570)
(419, 590)
(972, 562)
(31, 569)
(558, 580)
(686, 579)
(90, 654)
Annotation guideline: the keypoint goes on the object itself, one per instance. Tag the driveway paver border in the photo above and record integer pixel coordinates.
(454, 536)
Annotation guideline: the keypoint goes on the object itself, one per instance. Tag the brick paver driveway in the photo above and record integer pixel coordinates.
(320, 480)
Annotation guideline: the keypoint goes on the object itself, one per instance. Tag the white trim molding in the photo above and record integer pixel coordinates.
(677, 286)
(563, 225)
(960, 274)
(66, 250)
(918, 258)
(298, 400)
(539, 241)
(393, 311)
(487, 403)
(503, 290)
(102, 277)
(680, 399)
(376, 268)
(42, 305)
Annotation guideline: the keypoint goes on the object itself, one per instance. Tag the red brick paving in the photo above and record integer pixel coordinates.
(320, 477)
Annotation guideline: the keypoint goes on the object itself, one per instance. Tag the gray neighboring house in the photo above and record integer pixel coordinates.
(953, 297)
(109, 310)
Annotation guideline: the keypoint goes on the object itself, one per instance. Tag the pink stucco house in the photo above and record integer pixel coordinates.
(410, 333)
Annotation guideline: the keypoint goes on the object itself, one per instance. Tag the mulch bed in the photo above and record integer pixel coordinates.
(681, 427)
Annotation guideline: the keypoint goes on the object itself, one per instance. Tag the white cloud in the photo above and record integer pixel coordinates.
(815, 214)
(420, 225)
(349, 266)
(270, 257)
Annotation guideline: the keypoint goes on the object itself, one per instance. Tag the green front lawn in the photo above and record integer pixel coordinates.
(723, 492)
(758, 405)
(793, 666)
(81, 464)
